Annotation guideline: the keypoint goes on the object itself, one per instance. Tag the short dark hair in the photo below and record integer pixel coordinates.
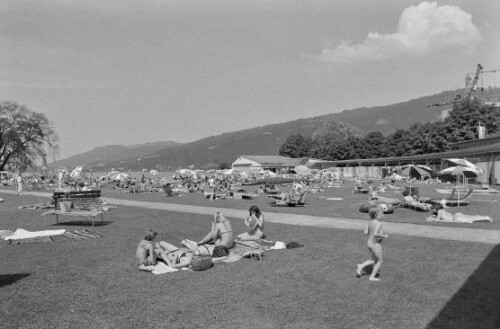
(150, 235)
(220, 251)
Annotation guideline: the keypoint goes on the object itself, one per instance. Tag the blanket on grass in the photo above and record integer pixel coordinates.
(76, 235)
(241, 249)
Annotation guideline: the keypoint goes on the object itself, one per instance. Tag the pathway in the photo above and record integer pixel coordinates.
(425, 231)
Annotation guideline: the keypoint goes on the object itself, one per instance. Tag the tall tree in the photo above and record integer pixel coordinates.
(25, 136)
(293, 146)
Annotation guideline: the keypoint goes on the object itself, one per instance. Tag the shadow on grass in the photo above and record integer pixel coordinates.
(477, 303)
(8, 279)
(84, 223)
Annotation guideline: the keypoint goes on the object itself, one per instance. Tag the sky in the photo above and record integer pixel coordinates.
(129, 72)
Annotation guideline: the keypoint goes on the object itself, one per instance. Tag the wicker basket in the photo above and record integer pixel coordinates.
(201, 261)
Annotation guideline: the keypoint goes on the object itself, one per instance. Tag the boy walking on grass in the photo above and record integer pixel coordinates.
(374, 230)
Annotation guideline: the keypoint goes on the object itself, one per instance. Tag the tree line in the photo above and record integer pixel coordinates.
(420, 138)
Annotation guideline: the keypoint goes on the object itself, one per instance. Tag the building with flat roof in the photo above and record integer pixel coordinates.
(266, 162)
(484, 153)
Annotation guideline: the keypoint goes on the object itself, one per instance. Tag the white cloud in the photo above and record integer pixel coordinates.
(422, 30)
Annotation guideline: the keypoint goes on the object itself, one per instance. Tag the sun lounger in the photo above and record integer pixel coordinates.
(298, 201)
(454, 200)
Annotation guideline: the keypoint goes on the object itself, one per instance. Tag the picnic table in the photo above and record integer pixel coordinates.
(92, 214)
(81, 204)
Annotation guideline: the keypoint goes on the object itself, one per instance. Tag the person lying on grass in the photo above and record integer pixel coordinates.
(442, 215)
(175, 257)
(374, 230)
(221, 233)
(181, 257)
(414, 202)
(255, 222)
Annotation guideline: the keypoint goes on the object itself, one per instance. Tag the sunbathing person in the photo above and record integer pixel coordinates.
(221, 233)
(294, 194)
(255, 221)
(442, 215)
(413, 201)
(175, 257)
(167, 189)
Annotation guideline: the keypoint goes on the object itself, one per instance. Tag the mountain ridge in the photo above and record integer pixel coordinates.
(266, 140)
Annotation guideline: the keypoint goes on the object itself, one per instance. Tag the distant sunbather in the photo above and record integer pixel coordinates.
(442, 215)
(414, 202)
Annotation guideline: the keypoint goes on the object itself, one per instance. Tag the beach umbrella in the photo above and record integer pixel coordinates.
(186, 172)
(112, 173)
(119, 176)
(465, 163)
(302, 170)
(462, 171)
(75, 173)
(416, 171)
(231, 172)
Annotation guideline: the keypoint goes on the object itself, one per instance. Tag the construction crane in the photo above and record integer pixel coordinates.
(470, 84)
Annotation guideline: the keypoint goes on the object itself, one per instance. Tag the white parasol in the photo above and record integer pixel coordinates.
(76, 172)
(186, 172)
(119, 176)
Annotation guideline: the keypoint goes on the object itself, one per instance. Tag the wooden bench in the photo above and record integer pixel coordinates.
(84, 204)
(81, 200)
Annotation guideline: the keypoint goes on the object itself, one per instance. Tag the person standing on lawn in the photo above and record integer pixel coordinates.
(19, 186)
(374, 230)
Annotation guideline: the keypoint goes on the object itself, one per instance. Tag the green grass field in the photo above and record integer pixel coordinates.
(319, 205)
(93, 283)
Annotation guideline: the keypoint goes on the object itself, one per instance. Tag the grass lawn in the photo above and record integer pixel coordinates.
(93, 283)
(319, 205)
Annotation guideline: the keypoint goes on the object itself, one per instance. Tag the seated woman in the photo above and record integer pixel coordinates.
(442, 215)
(255, 222)
(358, 187)
(167, 189)
(221, 233)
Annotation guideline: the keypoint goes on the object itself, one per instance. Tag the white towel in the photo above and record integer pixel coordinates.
(23, 234)
(158, 268)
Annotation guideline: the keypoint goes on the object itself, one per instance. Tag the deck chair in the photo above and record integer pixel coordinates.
(298, 201)
(455, 200)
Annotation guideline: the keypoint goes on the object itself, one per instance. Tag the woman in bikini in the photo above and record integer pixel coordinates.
(175, 257)
(221, 233)
(255, 223)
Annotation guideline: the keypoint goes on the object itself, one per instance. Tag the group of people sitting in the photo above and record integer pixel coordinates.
(217, 242)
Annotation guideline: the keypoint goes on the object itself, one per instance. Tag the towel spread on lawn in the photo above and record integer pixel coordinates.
(22, 236)
(241, 249)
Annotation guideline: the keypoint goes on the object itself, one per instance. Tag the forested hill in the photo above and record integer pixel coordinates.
(266, 140)
(386, 119)
(101, 156)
